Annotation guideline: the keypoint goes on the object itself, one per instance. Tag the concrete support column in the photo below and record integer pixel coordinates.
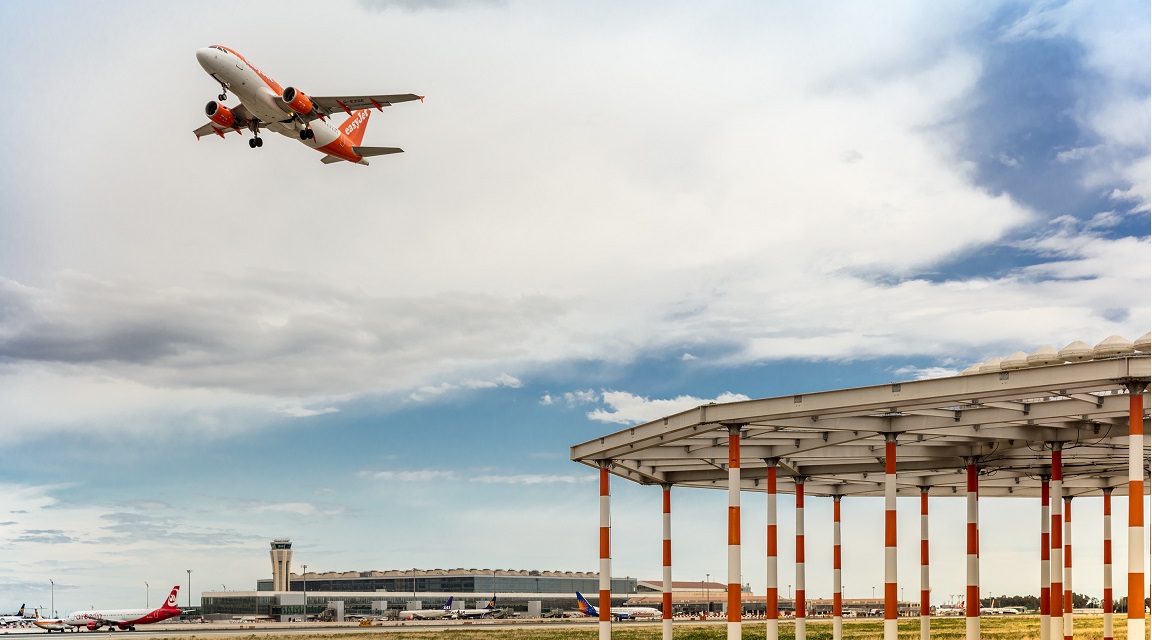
(734, 602)
(972, 593)
(666, 600)
(801, 603)
(1136, 509)
(925, 588)
(605, 603)
(1108, 628)
(1068, 568)
(1056, 530)
(772, 603)
(1045, 562)
(837, 574)
(891, 602)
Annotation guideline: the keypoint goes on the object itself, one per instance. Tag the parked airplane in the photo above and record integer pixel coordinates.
(617, 613)
(953, 609)
(428, 614)
(50, 624)
(125, 618)
(488, 610)
(287, 111)
(13, 618)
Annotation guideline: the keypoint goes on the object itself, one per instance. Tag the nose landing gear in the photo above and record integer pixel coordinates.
(307, 134)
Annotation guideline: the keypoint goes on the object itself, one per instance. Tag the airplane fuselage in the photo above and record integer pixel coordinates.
(123, 618)
(261, 95)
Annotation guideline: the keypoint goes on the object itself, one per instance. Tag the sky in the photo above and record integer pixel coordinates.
(605, 213)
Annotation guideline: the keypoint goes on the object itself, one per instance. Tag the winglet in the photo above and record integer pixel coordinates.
(421, 98)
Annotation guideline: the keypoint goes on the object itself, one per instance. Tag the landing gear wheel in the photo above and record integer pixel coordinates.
(223, 97)
(252, 143)
(259, 142)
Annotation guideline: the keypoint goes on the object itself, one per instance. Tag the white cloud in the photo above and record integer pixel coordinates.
(626, 408)
(418, 475)
(527, 478)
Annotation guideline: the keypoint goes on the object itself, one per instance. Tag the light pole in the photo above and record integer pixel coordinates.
(146, 588)
(708, 590)
(413, 583)
(305, 576)
(53, 597)
(189, 588)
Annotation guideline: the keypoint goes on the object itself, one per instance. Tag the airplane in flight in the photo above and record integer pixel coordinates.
(125, 618)
(484, 612)
(264, 103)
(428, 614)
(14, 618)
(617, 613)
(50, 624)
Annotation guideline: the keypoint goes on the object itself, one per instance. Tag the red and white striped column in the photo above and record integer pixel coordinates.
(925, 589)
(837, 574)
(1136, 509)
(972, 593)
(772, 604)
(666, 600)
(801, 603)
(734, 602)
(891, 603)
(1109, 631)
(605, 602)
(1067, 567)
(1056, 530)
(1045, 562)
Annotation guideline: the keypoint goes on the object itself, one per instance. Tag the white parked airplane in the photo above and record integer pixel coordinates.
(487, 610)
(125, 618)
(14, 618)
(264, 103)
(50, 624)
(617, 613)
(428, 614)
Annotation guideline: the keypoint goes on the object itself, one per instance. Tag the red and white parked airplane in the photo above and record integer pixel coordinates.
(287, 111)
(123, 618)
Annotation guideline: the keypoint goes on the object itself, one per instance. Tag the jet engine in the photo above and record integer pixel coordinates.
(93, 625)
(220, 114)
(297, 101)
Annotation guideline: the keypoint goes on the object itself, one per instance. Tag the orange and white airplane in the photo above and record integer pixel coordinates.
(287, 111)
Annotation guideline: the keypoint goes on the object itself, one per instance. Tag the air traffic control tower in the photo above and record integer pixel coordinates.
(281, 563)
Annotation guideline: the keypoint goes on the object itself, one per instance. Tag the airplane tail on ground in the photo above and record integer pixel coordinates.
(21, 611)
(585, 607)
(170, 603)
(448, 605)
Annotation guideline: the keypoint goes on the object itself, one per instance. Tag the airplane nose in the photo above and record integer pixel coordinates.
(205, 56)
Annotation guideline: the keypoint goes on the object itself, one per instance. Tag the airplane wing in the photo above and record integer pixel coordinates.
(327, 105)
(243, 120)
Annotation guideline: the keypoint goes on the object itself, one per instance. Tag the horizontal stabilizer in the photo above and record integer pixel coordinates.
(331, 159)
(368, 152)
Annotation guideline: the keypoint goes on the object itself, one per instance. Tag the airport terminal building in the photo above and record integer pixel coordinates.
(377, 593)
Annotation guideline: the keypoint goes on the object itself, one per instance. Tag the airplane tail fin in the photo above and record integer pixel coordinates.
(21, 611)
(448, 605)
(491, 603)
(586, 607)
(355, 125)
(170, 603)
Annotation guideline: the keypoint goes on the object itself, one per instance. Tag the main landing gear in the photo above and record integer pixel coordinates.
(256, 140)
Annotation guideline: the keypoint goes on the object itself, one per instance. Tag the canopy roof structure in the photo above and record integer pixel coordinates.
(1006, 420)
